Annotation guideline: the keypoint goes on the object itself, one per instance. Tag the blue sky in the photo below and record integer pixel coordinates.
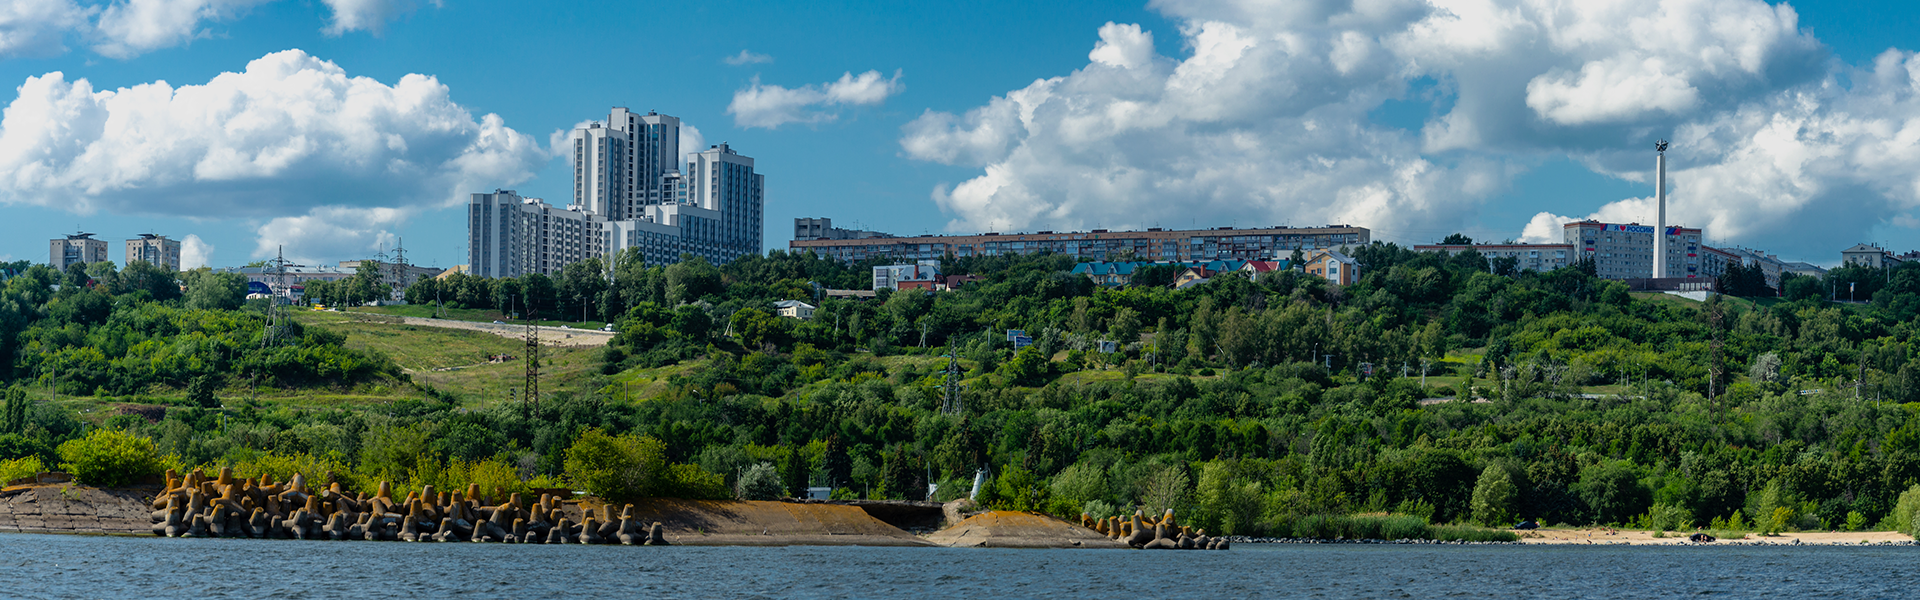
(934, 154)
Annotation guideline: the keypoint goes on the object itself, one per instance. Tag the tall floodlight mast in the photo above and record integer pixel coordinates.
(1660, 198)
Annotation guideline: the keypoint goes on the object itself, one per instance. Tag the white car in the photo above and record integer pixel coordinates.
(607, 328)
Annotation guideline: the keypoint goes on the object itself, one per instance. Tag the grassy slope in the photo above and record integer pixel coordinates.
(424, 351)
(465, 314)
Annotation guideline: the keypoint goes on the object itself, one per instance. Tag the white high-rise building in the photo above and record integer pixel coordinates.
(509, 235)
(724, 181)
(618, 164)
(628, 192)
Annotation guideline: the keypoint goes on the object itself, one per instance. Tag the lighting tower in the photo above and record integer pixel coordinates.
(1660, 198)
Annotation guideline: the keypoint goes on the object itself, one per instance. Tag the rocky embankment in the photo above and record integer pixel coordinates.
(64, 508)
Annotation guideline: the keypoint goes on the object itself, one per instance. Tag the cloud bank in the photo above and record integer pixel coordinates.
(128, 28)
(292, 141)
(1265, 117)
(770, 106)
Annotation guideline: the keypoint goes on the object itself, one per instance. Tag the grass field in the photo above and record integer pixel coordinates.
(455, 360)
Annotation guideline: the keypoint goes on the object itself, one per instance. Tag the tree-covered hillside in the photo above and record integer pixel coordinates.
(1495, 395)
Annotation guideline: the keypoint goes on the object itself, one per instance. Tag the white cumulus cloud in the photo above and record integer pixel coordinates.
(195, 252)
(37, 27)
(127, 28)
(139, 26)
(368, 15)
(324, 234)
(289, 134)
(1264, 117)
(770, 106)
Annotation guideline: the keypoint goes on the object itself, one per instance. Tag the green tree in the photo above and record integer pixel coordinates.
(1026, 368)
(1494, 495)
(617, 468)
(758, 482)
(1612, 492)
(207, 290)
(691, 279)
(13, 419)
(797, 472)
(1456, 239)
(756, 329)
(200, 391)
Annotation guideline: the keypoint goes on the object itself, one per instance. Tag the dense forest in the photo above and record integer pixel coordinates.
(1452, 388)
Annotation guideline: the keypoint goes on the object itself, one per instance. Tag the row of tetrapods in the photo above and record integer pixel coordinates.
(225, 506)
(1148, 534)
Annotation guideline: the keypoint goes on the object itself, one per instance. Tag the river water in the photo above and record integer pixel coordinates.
(59, 566)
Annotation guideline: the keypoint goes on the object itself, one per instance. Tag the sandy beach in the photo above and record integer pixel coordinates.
(1603, 535)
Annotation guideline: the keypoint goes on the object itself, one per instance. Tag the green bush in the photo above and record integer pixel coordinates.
(759, 482)
(19, 467)
(1903, 518)
(1663, 517)
(110, 458)
(691, 482)
(616, 469)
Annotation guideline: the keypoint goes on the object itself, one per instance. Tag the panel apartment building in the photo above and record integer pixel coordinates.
(155, 249)
(1154, 244)
(628, 192)
(1625, 251)
(79, 248)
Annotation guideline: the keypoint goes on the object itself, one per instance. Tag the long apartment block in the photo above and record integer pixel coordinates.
(1153, 244)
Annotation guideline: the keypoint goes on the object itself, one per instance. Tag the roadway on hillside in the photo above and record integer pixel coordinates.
(554, 336)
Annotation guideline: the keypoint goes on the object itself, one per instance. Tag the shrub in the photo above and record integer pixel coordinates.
(615, 468)
(282, 467)
(14, 445)
(691, 482)
(110, 458)
(1099, 509)
(19, 467)
(759, 482)
(1665, 517)
(1902, 518)
(1856, 521)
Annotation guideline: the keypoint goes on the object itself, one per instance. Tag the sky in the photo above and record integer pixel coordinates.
(335, 129)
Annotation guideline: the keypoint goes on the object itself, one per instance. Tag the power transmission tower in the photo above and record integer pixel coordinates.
(276, 318)
(398, 268)
(952, 404)
(531, 401)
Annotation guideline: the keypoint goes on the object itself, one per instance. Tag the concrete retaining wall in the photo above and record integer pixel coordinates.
(74, 509)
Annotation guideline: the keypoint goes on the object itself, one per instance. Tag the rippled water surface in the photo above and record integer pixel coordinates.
(54, 566)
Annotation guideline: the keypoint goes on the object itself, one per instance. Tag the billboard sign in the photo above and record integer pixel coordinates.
(258, 287)
(1021, 342)
(1634, 228)
(1015, 333)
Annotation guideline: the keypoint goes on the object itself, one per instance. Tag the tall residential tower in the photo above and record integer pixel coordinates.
(628, 192)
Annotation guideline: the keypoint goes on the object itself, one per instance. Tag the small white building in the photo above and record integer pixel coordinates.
(794, 309)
